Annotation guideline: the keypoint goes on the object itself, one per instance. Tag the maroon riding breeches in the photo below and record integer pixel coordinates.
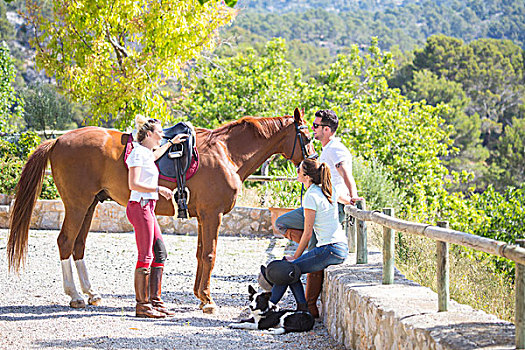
(147, 233)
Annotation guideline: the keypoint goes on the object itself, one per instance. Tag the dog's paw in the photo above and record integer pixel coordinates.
(243, 325)
(275, 331)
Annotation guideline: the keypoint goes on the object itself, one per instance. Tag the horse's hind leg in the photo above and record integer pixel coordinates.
(69, 284)
(78, 256)
(74, 219)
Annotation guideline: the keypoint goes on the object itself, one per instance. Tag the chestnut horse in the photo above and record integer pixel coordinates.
(88, 167)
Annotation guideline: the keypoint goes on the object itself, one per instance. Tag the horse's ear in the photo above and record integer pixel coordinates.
(251, 290)
(297, 115)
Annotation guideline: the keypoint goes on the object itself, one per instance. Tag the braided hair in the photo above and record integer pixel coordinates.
(320, 175)
(143, 125)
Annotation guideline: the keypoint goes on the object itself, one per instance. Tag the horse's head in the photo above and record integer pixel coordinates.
(299, 145)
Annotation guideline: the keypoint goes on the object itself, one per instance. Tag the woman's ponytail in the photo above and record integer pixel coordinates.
(326, 181)
(142, 126)
(320, 175)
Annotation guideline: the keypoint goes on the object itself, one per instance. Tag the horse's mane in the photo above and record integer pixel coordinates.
(263, 126)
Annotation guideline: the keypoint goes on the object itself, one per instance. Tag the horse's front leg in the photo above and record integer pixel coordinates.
(206, 261)
(196, 286)
(78, 255)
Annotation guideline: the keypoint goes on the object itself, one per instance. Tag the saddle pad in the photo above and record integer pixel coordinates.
(194, 164)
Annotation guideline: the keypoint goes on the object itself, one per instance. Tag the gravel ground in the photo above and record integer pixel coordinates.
(34, 311)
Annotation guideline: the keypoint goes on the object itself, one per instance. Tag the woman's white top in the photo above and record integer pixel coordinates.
(326, 224)
(143, 157)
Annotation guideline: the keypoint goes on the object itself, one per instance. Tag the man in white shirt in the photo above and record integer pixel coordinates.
(339, 160)
(335, 154)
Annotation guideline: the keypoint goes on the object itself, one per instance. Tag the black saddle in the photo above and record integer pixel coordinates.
(177, 160)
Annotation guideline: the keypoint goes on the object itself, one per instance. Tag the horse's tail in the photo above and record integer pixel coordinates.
(26, 193)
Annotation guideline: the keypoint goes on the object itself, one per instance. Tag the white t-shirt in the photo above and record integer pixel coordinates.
(143, 157)
(326, 224)
(334, 153)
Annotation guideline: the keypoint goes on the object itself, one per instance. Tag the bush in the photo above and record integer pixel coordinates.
(374, 183)
(11, 169)
(13, 156)
(283, 194)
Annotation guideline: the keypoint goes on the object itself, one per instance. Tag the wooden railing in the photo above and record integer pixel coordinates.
(443, 236)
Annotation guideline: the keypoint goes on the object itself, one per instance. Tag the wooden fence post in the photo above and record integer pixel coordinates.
(519, 320)
(388, 250)
(443, 267)
(362, 249)
(350, 232)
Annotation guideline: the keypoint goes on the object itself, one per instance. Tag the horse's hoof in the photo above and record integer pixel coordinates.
(95, 300)
(77, 304)
(209, 308)
(201, 306)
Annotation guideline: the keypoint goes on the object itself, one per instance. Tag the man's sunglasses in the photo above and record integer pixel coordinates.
(315, 125)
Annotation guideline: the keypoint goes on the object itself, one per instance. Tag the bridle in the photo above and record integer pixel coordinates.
(314, 155)
(298, 129)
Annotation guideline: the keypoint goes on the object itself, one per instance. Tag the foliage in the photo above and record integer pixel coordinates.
(510, 156)
(283, 194)
(6, 29)
(117, 55)
(230, 3)
(483, 85)
(307, 57)
(10, 105)
(246, 84)
(504, 215)
(13, 155)
(375, 185)
(46, 109)
(338, 24)
(489, 71)
(406, 137)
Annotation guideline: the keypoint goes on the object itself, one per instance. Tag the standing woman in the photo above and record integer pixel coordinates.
(321, 217)
(143, 181)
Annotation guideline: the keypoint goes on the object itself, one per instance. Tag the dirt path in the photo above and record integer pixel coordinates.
(34, 310)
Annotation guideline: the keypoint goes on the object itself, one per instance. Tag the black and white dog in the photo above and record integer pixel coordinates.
(267, 316)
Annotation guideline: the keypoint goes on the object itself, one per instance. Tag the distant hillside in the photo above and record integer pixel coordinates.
(406, 24)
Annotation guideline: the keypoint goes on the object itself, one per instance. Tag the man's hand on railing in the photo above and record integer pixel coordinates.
(346, 199)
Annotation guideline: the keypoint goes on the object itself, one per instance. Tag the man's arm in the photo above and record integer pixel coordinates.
(344, 169)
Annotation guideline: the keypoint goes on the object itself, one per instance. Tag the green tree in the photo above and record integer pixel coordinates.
(46, 109)
(115, 56)
(10, 106)
(510, 156)
(246, 84)
(468, 154)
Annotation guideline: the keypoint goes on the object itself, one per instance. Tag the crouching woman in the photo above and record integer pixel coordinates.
(321, 217)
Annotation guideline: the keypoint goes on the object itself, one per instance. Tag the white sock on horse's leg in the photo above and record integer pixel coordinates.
(94, 297)
(69, 284)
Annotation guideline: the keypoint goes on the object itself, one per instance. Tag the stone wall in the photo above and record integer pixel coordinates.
(361, 313)
(111, 217)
